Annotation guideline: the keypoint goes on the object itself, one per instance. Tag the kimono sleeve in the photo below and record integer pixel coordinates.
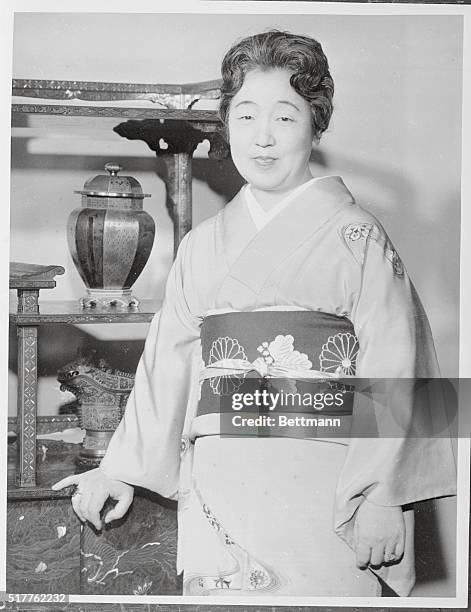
(396, 349)
(145, 448)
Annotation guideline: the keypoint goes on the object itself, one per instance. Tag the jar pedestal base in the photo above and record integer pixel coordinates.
(84, 463)
(109, 298)
(93, 447)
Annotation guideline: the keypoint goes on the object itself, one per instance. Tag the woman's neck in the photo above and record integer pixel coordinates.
(268, 199)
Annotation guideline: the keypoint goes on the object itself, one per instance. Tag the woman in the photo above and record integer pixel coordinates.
(292, 280)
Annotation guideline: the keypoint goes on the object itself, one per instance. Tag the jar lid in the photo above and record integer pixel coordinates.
(113, 186)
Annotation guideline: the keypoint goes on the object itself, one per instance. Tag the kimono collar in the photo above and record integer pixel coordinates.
(251, 255)
(260, 216)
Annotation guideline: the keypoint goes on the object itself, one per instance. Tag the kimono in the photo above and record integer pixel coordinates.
(275, 514)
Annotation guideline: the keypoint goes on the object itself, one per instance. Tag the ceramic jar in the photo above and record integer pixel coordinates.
(110, 238)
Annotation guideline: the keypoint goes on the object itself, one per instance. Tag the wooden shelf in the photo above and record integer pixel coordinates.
(71, 312)
(206, 120)
(59, 462)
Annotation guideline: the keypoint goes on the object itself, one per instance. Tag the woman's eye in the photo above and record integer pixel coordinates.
(245, 117)
(285, 119)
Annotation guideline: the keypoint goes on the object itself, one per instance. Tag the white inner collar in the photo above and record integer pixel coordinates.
(261, 217)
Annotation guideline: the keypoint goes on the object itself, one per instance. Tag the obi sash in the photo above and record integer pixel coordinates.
(276, 373)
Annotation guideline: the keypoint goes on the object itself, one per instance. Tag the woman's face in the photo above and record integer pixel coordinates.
(270, 132)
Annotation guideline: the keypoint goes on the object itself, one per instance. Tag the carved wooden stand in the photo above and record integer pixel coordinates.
(28, 280)
(182, 129)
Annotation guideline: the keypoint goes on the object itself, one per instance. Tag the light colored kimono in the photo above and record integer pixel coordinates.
(318, 252)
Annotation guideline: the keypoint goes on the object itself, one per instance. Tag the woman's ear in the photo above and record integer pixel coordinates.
(315, 136)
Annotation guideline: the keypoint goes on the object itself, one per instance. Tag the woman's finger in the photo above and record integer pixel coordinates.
(400, 545)
(119, 510)
(95, 503)
(377, 555)
(394, 550)
(390, 554)
(363, 555)
(76, 503)
(68, 481)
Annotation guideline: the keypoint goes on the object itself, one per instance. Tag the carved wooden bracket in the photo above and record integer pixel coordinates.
(180, 136)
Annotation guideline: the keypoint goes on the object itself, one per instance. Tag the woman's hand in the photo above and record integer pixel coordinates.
(93, 489)
(379, 534)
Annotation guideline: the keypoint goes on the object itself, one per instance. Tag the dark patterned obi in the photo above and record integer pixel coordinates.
(277, 373)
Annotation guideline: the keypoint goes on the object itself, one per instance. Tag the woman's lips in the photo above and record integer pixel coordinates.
(264, 161)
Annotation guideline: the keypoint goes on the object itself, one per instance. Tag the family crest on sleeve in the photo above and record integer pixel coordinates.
(366, 232)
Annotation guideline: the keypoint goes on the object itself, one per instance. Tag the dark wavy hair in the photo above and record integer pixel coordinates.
(302, 55)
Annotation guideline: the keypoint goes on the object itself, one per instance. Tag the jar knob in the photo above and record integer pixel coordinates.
(113, 169)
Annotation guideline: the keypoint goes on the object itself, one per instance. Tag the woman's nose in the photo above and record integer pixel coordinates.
(264, 136)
